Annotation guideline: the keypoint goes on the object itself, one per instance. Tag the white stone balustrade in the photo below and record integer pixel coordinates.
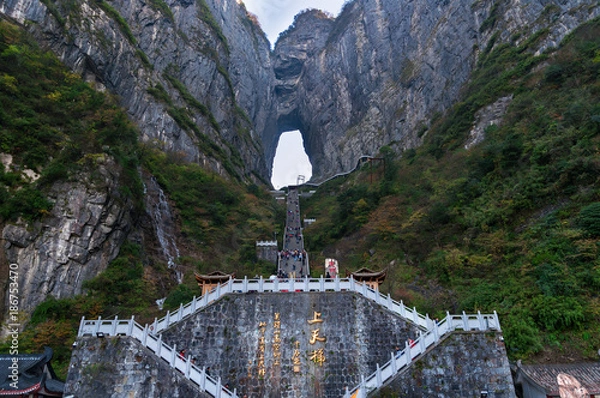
(432, 332)
(119, 327)
(278, 285)
(401, 360)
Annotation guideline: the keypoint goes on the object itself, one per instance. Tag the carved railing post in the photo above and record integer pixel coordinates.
(98, 323)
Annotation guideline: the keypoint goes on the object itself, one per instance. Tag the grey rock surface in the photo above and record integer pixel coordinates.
(221, 58)
(230, 76)
(373, 76)
(464, 365)
(491, 115)
(123, 368)
(376, 74)
(83, 232)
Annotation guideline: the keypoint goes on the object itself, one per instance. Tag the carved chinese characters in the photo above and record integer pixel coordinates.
(316, 355)
(274, 342)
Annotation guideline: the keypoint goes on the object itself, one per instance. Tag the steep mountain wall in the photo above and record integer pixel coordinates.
(373, 76)
(376, 74)
(220, 58)
(195, 76)
(88, 223)
(199, 79)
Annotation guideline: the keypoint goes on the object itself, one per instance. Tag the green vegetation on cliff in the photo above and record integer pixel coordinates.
(58, 126)
(55, 125)
(125, 29)
(220, 220)
(208, 18)
(510, 225)
(119, 291)
(184, 117)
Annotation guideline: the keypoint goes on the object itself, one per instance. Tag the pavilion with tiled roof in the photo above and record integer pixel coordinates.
(371, 278)
(210, 281)
(32, 376)
(540, 381)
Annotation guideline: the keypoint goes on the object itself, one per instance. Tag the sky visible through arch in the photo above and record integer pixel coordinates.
(275, 16)
(290, 161)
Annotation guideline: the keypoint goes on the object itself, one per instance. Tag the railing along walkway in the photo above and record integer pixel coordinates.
(359, 162)
(117, 327)
(401, 361)
(291, 285)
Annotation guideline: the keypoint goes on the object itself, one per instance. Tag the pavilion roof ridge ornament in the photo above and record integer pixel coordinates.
(365, 270)
(215, 275)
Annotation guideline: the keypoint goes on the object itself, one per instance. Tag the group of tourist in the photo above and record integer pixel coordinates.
(295, 255)
(284, 276)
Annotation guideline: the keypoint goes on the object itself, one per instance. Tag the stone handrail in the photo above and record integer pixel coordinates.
(401, 361)
(267, 243)
(118, 327)
(431, 333)
(291, 285)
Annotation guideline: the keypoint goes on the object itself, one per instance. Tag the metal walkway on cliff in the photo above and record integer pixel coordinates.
(293, 259)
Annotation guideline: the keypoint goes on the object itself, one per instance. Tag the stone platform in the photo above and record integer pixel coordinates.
(294, 344)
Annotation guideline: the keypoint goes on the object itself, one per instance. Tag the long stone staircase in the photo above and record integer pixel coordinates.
(431, 334)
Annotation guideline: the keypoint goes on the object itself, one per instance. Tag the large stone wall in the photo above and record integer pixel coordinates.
(292, 345)
(241, 341)
(267, 251)
(463, 366)
(120, 367)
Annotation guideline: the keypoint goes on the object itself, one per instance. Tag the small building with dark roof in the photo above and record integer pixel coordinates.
(210, 281)
(541, 381)
(29, 375)
(371, 278)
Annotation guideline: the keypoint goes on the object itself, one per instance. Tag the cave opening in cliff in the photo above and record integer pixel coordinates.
(290, 160)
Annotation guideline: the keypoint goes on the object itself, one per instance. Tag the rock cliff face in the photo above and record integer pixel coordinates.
(83, 232)
(198, 78)
(211, 60)
(376, 74)
(373, 76)
(195, 76)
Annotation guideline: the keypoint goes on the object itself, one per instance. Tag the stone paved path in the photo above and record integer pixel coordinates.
(293, 261)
